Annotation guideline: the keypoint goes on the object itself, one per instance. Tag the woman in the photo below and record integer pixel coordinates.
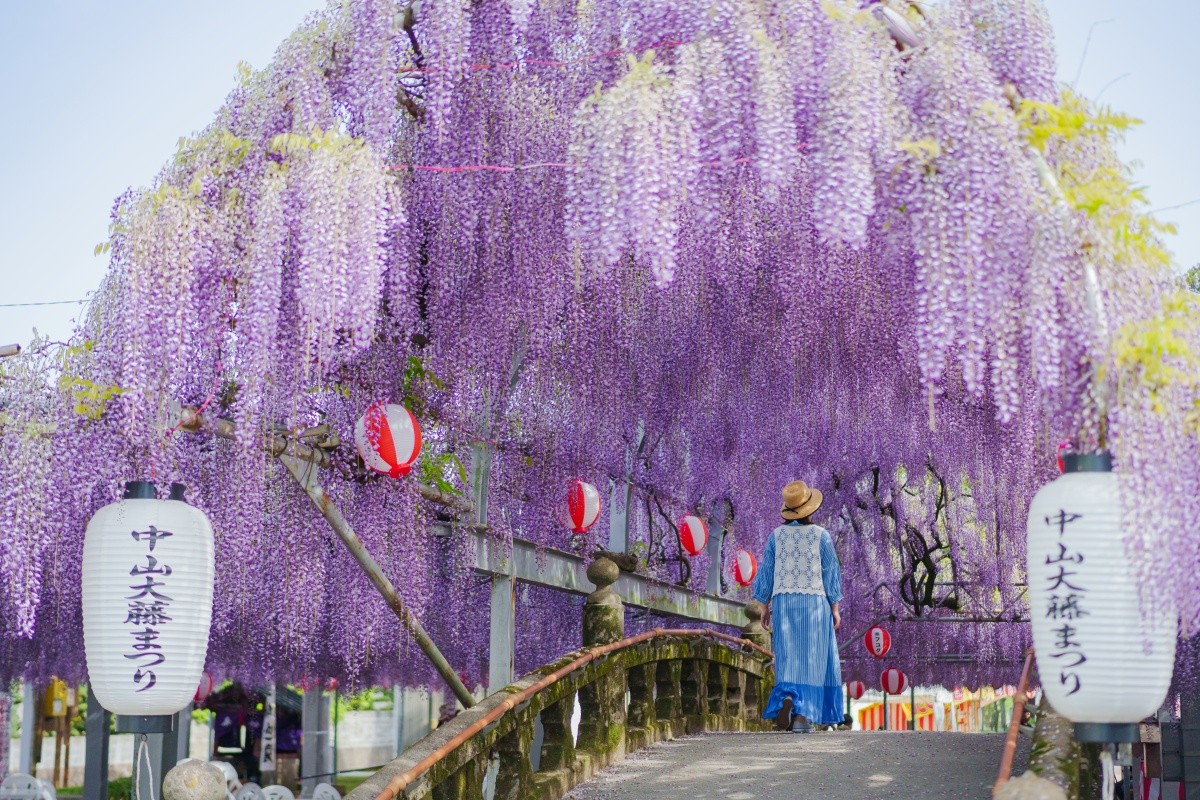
(800, 582)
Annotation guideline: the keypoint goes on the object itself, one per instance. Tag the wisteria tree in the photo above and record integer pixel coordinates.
(697, 247)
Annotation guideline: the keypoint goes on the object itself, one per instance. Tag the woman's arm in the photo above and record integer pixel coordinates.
(831, 576)
(764, 581)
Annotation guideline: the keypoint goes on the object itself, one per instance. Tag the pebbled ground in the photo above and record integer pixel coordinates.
(821, 766)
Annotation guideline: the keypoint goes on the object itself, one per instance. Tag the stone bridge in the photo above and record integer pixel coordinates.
(686, 705)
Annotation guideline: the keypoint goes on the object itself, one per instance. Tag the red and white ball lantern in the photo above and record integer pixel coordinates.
(893, 681)
(878, 641)
(693, 535)
(204, 689)
(388, 438)
(745, 567)
(856, 689)
(582, 508)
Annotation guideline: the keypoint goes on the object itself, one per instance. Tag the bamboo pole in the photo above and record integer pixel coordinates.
(303, 461)
(306, 475)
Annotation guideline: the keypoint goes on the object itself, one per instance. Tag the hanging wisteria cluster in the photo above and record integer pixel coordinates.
(696, 249)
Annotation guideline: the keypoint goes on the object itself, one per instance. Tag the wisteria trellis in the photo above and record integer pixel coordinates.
(702, 246)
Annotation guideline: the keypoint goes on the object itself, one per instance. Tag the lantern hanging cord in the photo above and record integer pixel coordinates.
(537, 62)
(143, 752)
(1106, 775)
(448, 168)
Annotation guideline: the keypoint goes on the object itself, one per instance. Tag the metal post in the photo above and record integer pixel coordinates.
(176, 743)
(1189, 741)
(315, 754)
(95, 764)
(885, 719)
(912, 707)
(398, 708)
(29, 710)
(502, 622)
(306, 475)
(5, 730)
(148, 730)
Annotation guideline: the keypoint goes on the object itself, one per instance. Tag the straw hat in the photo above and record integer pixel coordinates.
(799, 500)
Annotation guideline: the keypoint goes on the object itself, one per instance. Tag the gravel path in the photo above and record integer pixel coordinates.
(821, 766)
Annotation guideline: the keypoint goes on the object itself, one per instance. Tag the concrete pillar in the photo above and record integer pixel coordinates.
(399, 706)
(29, 710)
(502, 627)
(715, 546)
(316, 750)
(618, 517)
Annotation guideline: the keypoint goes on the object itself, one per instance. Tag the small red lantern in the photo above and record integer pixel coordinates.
(744, 568)
(856, 689)
(1063, 447)
(204, 689)
(893, 681)
(583, 506)
(693, 535)
(878, 641)
(388, 437)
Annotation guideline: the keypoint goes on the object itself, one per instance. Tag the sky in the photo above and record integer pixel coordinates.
(96, 95)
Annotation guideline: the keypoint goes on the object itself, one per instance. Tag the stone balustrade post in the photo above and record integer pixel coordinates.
(668, 705)
(641, 730)
(718, 684)
(558, 745)
(603, 613)
(694, 693)
(514, 781)
(735, 695)
(756, 691)
(754, 631)
(465, 784)
(602, 703)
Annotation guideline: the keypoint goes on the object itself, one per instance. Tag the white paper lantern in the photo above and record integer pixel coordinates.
(1102, 661)
(147, 601)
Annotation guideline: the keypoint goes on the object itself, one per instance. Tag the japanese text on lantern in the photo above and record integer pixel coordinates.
(1065, 601)
(147, 610)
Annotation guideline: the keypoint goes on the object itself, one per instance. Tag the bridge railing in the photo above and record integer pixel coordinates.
(632, 692)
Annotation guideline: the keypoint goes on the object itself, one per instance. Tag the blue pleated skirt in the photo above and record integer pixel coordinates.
(807, 666)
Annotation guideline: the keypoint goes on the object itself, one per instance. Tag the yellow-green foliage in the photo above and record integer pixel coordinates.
(1111, 201)
(89, 400)
(287, 144)
(1158, 351)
